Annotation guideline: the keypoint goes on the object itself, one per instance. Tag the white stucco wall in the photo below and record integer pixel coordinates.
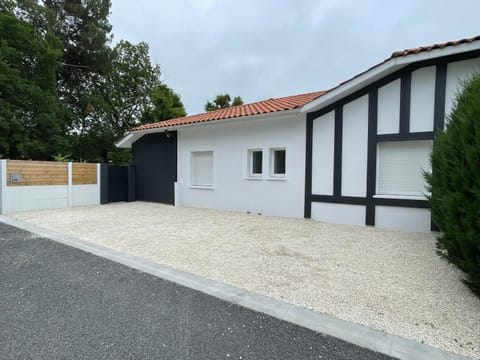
(354, 147)
(322, 154)
(22, 198)
(339, 213)
(422, 99)
(389, 108)
(402, 218)
(84, 195)
(457, 73)
(232, 188)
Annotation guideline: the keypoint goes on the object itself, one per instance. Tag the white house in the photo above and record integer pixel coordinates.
(246, 158)
(353, 155)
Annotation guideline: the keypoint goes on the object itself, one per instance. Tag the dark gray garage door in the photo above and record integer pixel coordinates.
(155, 159)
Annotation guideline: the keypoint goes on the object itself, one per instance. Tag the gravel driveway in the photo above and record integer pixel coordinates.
(387, 280)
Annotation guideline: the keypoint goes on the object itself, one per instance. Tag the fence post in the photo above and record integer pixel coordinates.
(69, 186)
(99, 179)
(104, 184)
(3, 186)
(131, 184)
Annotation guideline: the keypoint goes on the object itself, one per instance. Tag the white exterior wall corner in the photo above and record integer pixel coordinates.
(232, 189)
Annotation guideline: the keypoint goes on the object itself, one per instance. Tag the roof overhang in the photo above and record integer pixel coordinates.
(127, 141)
(381, 70)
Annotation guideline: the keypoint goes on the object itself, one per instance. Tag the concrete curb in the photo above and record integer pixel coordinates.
(360, 335)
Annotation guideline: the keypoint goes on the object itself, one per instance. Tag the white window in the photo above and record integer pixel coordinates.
(278, 162)
(255, 162)
(202, 168)
(400, 167)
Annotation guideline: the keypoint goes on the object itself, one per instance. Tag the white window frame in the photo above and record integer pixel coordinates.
(272, 173)
(193, 182)
(250, 173)
(398, 194)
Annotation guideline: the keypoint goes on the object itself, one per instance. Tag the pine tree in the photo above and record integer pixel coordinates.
(455, 184)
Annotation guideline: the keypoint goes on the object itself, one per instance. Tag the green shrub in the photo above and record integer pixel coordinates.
(455, 184)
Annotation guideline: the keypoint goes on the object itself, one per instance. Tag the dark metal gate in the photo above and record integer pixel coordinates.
(118, 183)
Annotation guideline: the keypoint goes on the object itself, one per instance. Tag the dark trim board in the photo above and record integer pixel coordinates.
(307, 213)
(375, 201)
(422, 204)
(415, 136)
(405, 92)
(337, 152)
(347, 200)
(404, 134)
(371, 156)
(439, 106)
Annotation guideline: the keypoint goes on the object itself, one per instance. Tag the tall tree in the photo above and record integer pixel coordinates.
(223, 101)
(455, 187)
(96, 93)
(84, 31)
(130, 94)
(28, 100)
(127, 89)
(166, 104)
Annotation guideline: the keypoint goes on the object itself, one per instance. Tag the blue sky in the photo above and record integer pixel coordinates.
(259, 49)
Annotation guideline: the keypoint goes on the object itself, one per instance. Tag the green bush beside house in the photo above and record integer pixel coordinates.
(455, 184)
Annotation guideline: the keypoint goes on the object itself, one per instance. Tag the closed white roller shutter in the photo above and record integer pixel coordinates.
(400, 167)
(202, 168)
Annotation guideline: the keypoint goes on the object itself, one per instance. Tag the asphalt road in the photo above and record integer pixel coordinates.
(57, 302)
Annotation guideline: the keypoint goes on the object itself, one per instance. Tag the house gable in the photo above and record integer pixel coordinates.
(405, 109)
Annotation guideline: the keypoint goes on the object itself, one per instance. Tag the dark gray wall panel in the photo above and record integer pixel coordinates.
(155, 161)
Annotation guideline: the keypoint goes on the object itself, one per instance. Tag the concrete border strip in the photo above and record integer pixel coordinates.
(360, 335)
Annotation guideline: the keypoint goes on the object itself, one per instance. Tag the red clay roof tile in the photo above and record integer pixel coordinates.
(260, 107)
(420, 49)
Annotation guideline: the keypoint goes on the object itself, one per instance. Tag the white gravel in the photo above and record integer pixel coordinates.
(391, 281)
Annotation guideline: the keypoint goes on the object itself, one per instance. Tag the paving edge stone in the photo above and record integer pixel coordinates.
(360, 335)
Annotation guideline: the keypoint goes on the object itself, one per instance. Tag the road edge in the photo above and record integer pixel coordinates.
(363, 336)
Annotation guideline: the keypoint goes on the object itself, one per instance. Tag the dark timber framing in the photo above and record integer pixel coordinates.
(439, 107)
(371, 156)
(404, 134)
(337, 153)
(405, 90)
(308, 167)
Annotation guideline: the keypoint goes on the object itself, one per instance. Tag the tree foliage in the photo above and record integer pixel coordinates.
(84, 31)
(28, 98)
(127, 88)
(223, 101)
(166, 104)
(64, 89)
(455, 186)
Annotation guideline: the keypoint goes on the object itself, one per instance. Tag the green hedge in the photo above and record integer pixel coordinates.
(455, 184)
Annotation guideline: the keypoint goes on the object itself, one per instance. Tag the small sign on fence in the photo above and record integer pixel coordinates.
(15, 177)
